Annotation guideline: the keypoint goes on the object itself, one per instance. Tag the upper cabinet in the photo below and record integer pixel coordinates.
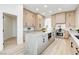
(40, 21)
(29, 18)
(67, 18)
(53, 21)
(60, 18)
(70, 19)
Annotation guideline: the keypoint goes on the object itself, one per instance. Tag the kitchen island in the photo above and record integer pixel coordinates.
(36, 42)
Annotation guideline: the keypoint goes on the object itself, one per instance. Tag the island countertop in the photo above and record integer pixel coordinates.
(37, 32)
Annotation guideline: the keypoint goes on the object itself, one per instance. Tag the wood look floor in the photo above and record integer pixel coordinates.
(11, 42)
(58, 47)
(11, 47)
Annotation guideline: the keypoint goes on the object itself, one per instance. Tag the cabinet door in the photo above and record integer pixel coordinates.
(29, 18)
(42, 43)
(39, 22)
(39, 44)
(26, 18)
(53, 21)
(66, 35)
(70, 21)
(60, 18)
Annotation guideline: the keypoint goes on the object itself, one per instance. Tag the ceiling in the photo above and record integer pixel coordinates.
(50, 9)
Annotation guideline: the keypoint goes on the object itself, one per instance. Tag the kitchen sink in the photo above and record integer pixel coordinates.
(77, 36)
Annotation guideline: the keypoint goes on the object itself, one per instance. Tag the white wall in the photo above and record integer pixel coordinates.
(20, 25)
(77, 18)
(17, 10)
(14, 32)
(1, 31)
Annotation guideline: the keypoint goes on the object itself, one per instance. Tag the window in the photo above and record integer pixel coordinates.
(48, 24)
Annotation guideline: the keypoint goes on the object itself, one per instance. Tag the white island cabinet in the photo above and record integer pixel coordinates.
(35, 42)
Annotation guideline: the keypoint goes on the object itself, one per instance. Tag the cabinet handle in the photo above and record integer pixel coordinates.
(43, 40)
(76, 53)
(72, 44)
(77, 50)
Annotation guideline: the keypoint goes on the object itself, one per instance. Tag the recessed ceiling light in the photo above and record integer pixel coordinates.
(37, 9)
(59, 9)
(45, 6)
(43, 13)
(50, 11)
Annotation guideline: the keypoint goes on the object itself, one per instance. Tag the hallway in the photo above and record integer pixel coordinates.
(59, 47)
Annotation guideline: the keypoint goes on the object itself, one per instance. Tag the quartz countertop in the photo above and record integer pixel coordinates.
(36, 33)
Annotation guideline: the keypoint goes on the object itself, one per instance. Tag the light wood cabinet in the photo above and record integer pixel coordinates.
(66, 35)
(39, 21)
(53, 21)
(28, 18)
(60, 18)
(31, 19)
(67, 18)
(70, 19)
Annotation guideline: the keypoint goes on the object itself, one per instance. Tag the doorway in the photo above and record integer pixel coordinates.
(9, 30)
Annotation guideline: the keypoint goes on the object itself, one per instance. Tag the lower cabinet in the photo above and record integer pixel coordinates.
(66, 35)
(45, 42)
(36, 44)
(42, 44)
(74, 46)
